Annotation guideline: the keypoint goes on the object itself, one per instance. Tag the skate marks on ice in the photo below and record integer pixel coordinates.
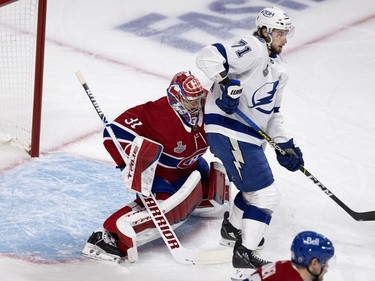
(50, 205)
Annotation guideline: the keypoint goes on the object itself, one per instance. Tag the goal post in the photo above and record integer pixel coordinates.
(22, 35)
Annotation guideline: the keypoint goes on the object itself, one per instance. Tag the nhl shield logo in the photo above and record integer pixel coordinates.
(180, 147)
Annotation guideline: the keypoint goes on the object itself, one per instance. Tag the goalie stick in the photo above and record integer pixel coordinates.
(358, 216)
(178, 251)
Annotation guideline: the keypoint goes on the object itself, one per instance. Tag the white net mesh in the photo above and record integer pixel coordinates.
(18, 23)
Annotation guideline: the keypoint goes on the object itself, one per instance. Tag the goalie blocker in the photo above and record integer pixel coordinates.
(132, 226)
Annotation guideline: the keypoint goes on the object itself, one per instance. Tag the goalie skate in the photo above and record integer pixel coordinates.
(102, 246)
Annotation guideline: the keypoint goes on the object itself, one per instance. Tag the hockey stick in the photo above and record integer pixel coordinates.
(179, 253)
(358, 216)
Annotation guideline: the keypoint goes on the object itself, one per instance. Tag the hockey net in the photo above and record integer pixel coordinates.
(22, 32)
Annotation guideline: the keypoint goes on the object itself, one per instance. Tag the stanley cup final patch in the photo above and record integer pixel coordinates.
(180, 147)
(265, 71)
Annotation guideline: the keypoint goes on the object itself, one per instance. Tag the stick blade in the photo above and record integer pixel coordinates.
(365, 216)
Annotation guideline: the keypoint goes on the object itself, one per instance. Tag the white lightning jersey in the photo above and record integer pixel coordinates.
(263, 79)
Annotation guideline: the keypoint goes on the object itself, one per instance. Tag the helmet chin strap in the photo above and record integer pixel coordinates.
(270, 42)
(316, 276)
(269, 37)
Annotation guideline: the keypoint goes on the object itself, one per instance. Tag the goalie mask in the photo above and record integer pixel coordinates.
(186, 96)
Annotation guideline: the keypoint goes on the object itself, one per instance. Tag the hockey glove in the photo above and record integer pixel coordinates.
(230, 97)
(293, 158)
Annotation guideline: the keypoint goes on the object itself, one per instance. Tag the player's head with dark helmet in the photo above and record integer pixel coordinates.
(186, 96)
(274, 24)
(308, 247)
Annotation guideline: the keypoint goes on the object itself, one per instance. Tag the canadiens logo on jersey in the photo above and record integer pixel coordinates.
(199, 150)
(188, 161)
(180, 147)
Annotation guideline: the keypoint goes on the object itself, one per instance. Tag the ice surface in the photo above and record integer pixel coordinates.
(128, 52)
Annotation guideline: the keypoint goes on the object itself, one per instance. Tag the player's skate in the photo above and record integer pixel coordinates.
(245, 258)
(245, 261)
(230, 234)
(101, 245)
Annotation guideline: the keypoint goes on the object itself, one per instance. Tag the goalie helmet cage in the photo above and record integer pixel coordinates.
(22, 35)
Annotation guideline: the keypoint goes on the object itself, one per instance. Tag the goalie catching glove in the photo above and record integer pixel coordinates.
(293, 157)
(230, 98)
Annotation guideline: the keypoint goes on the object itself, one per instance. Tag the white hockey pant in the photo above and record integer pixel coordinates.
(265, 200)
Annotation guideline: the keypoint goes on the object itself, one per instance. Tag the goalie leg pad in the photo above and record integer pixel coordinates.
(127, 241)
(217, 186)
(176, 207)
(131, 208)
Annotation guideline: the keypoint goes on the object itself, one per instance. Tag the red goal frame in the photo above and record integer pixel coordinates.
(6, 2)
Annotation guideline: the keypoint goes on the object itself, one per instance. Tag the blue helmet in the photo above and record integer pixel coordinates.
(308, 245)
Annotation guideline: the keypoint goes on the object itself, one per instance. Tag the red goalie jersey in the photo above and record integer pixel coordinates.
(183, 139)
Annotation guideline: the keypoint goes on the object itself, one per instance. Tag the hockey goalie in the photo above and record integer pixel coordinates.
(168, 140)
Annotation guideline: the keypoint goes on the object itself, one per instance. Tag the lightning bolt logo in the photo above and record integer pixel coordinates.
(237, 157)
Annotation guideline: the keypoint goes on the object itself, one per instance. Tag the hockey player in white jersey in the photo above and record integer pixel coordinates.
(250, 75)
